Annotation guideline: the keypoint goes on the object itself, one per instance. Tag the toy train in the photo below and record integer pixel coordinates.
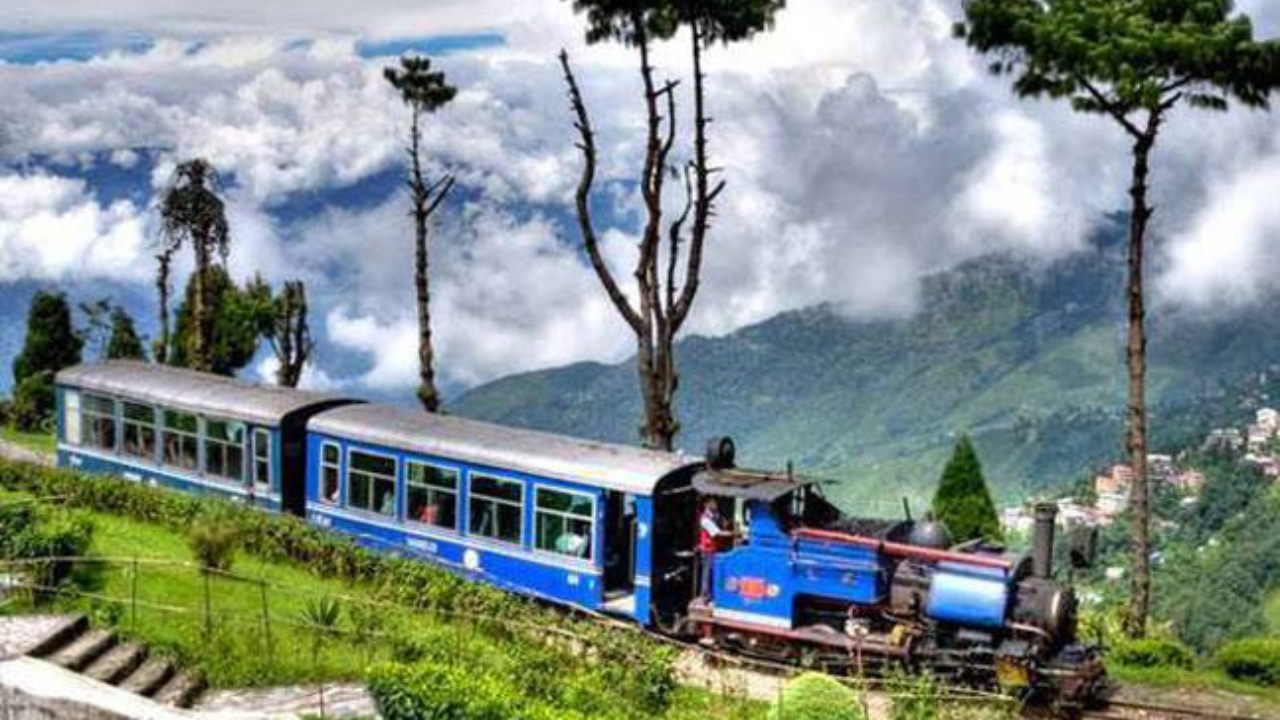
(606, 528)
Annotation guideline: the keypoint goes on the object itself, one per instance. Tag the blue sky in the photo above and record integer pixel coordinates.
(863, 148)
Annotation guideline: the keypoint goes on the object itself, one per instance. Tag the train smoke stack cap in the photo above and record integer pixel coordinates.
(721, 453)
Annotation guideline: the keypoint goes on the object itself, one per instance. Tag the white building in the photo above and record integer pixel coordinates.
(1268, 419)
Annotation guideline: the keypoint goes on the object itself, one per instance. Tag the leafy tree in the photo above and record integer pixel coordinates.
(662, 298)
(237, 320)
(191, 213)
(290, 334)
(1132, 61)
(51, 344)
(124, 342)
(963, 501)
(424, 91)
(97, 316)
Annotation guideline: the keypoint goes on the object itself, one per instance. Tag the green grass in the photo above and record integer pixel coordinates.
(1273, 612)
(232, 650)
(1200, 679)
(39, 442)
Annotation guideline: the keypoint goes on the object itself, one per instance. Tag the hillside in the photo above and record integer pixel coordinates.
(1028, 360)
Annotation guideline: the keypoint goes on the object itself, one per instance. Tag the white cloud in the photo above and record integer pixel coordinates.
(1229, 254)
(507, 296)
(863, 147)
(51, 228)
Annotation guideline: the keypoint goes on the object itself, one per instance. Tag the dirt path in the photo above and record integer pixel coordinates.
(10, 451)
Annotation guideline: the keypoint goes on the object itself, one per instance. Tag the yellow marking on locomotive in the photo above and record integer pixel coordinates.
(1011, 673)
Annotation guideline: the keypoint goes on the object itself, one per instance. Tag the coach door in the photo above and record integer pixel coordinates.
(620, 548)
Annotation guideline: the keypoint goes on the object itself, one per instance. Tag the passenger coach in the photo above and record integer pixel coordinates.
(187, 430)
(568, 520)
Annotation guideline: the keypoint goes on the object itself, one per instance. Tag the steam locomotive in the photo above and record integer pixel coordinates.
(605, 528)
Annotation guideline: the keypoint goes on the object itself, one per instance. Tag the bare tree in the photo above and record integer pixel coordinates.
(424, 91)
(191, 213)
(290, 334)
(663, 295)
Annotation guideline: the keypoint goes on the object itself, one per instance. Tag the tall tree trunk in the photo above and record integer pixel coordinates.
(1136, 436)
(427, 393)
(162, 289)
(200, 310)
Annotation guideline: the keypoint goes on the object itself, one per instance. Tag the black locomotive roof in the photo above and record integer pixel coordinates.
(747, 484)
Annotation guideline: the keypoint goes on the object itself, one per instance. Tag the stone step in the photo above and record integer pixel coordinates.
(149, 677)
(117, 663)
(66, 631)
(181, 690)
(84, 649)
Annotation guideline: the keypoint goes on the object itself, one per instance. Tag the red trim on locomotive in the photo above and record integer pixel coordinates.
(904, 550)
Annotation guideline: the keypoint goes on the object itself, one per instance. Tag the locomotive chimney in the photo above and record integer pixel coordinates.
(1042, 543)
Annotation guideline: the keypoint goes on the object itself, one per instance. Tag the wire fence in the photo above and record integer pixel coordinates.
(228, 601)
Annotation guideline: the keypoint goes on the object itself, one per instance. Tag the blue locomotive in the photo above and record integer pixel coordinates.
(605, 528)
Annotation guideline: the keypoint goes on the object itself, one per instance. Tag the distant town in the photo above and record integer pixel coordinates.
(1257, 444)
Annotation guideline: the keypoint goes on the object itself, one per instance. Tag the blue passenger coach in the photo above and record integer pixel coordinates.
(187, 430)
(568, 520)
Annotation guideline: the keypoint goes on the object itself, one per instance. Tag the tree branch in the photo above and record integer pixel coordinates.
(582, 197)
(704, 195)
(1108, 105)
(439, 192)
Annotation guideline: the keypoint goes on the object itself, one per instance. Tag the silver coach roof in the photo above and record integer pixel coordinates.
(615, 467)
(190, 390)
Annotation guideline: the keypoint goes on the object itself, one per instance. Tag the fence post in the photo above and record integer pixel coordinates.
(266, 619)
(133, 596)
(208, 619)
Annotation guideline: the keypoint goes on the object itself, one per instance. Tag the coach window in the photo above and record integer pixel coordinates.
(371, 483)
(330, 473)
(179, 438)
(495, 508)
(140, 431)
(98, 418)
(262, 459)
(564, 522)
(224, 449)
(432, 495)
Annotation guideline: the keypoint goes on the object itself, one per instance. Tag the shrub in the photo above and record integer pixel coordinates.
(28, 533)
(33, 403)
(1152, 653)
(1252, 660)
(814, 696)
(214, 539)
(432, 691)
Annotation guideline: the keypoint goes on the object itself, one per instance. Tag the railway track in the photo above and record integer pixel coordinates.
(1135, 710)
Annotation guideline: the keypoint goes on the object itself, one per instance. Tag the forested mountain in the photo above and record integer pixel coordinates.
(1028, 360)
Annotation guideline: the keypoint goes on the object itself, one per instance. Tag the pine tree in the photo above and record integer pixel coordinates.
(963, 501)
(124, 342)
(51, 343)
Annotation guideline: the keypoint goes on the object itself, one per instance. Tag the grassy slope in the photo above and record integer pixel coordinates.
(237, 654)
(39, 442)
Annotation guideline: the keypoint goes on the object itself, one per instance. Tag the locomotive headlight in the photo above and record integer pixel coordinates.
(773, 590)
(731, 584)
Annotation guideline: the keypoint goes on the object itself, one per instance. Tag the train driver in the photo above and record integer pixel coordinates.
(710, 536)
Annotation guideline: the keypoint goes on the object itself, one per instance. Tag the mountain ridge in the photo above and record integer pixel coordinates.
(1028, 359)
